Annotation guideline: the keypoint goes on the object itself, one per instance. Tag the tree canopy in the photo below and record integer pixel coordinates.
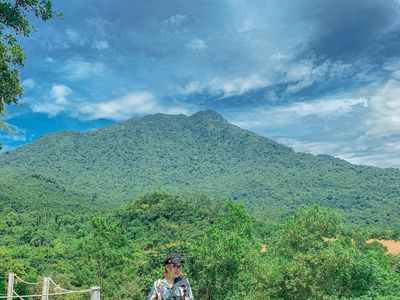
(122, 250)
(14, 22)
(201, 153)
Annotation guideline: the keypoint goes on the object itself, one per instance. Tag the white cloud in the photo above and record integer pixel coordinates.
(226, 86)
(174, 24)
(383, 155)
(59, 92)
(176, 20)
(29, 83)
(396, 74)
(392, 64)
(100, 45)
(80, 69)
(49, 59)
(98, 25)
(307, 73)
(384, 115)
(196, 45)
(125, 107)
(278, 56)
(378, 159)
(13, 137)
(313, 147)
(295, 77)
(57, 43)
(50, 108)
(290, 114)
(361, 130)
(56, 101)
(17, 135)
(76, 37)
(9, 141)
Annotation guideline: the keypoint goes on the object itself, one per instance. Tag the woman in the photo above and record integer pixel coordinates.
(171, 286)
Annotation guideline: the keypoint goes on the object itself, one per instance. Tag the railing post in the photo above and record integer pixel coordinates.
(45, 289)
(95, 293)
(10, 286)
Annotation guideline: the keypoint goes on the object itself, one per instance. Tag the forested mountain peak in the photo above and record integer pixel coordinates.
(208, 115)
(332, 159)
(202, 153)
(205, 116)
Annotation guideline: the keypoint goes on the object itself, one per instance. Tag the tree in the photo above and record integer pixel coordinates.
(14, 23)
(305, 265)
(225, 262)
(104, 249)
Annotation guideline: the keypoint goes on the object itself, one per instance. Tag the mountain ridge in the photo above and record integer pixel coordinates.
(202, 153)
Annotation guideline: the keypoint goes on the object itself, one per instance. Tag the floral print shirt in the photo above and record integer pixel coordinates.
(180, 290)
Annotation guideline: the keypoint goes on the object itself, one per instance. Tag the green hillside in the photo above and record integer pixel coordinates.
(202, 154)
(122, 250)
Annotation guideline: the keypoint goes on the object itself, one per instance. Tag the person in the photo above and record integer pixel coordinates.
(171, 286)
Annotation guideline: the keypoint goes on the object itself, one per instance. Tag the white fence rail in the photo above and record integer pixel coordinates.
(94, 292)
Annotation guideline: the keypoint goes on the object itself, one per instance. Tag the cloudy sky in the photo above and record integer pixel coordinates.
(322, 76)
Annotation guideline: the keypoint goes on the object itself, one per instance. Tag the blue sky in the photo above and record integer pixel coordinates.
(319, 76)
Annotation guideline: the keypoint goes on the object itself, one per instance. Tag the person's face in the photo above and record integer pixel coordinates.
(174, 270)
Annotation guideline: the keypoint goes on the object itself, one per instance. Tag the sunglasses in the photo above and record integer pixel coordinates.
(177, 267)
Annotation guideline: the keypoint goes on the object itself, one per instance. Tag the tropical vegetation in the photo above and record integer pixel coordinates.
(122, 250)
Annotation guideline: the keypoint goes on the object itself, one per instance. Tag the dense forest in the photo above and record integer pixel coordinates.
(203, 154)
(122, 250)
(85, 209)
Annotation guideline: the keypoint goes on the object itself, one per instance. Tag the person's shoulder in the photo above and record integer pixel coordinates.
(159, 280)
(182, 280)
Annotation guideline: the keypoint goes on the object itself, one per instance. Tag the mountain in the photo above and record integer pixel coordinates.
(202, 153)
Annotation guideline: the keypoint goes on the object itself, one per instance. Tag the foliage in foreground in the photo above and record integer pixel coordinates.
(14, 23)
(303, 265)
(122, 251)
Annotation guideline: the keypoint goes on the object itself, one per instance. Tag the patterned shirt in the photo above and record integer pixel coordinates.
(162, 291)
